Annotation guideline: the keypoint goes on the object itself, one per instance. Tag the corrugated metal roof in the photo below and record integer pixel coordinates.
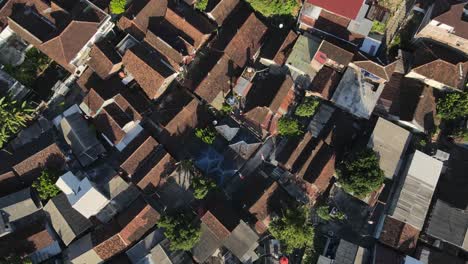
(417, 190)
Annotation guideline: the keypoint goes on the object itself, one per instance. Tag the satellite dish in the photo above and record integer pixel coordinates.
(280, 25)
(215, 122)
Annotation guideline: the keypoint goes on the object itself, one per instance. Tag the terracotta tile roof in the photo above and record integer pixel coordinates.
(113, 88)
(219, 81)
(349, 10)
(104, 59)
(247, 41)
(110, 121)
(452, 16)
(129, 226)
(259, 116)
(9, 183)
(399, 235)
(270, 203)
(444, 72)
(384, 72)
(218, 229)
(147, 68)
(298, 150)
(196, 34)
(336, 53)
(325, 82)
(137, 16)
(285, 48)
(66, 46)
(335, 25)
(94, 101)
(282, 95)
(222, 10)
(141, 223)
(162, 166)
(131, 164)
(34, 163)
(26, 240)
(175, 57)
(110, 247)
(425, 113)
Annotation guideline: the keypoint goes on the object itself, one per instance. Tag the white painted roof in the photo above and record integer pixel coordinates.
(425, 168)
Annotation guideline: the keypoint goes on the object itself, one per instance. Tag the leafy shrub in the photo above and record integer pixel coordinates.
(201, 186)
(308, 107)
(289, 127)
(201, 5)
(45, 184)
(270, 8)
(207, 135)
(117, 7)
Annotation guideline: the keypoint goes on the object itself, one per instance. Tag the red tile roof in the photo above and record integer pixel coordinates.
(325, 82)
(247, 41)
(219, 81)
(444, 72)
(141, 223)
(350, 9)
(399, 235)
(182, 24)
(285, 48)
(137, 16)
(131, 164)
(104, 59)
(161, 168)
(218, 229)
(147, 68)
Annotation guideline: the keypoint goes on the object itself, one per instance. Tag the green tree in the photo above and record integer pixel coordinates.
(293, 229)
(35, 62)
(226, 109)
(14, 116)
(181, 231)
(289, 127)
(360, 173)
(270, 8)
(201, 5)
(453, 106)
(45, 184)
(201, 186)
(207, 135)
(308, 107)
(117, 7)
(187, 168)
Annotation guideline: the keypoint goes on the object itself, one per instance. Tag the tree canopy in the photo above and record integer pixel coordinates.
(293, 229)
(117, 7)
(35, 62)
(45, 184)
(201, 186)
(14, 116)
(207, 135)
(181, 231)
(453, 106)
(308, 107)
(289, 127)
(360, 173)
(270, 8)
